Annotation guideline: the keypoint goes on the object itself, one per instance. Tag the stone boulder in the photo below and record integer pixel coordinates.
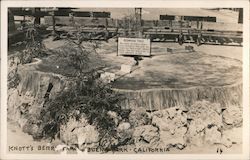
(212, 135)
(139, 117)
(146, 136)
(205, 123)
(209, 113)
(169, 119)
(233, 116)
(195, 134)
(232, 136)
(177, 139)
(108, 142)
(172, 124)
(123, 126)
(124, 132)
(79, 132)
(114, 116)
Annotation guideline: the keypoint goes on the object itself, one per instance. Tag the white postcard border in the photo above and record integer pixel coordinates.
(129, 4)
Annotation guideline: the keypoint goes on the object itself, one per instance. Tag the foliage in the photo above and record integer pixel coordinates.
(131, 26)
(73, 57)
(91, 99)
(129, 22)
(88, 97)
(33, 46)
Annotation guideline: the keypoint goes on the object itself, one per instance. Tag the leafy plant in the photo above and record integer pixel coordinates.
(33, 46)
(88, 96)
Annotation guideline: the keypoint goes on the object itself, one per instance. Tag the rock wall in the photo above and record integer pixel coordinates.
(203, 124)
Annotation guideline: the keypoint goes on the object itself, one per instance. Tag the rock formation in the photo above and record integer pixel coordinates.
(139, 117)
(172, 124)
(79, 132)
(146, 136)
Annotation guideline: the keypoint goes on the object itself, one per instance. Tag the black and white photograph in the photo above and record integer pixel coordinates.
(125, 80)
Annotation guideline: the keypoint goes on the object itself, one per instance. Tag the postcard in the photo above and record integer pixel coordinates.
(125, 79)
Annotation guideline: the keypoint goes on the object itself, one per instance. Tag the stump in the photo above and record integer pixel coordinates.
(181, 79)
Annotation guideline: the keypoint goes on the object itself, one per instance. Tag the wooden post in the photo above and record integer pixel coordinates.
(37, 16)
(138, 21)
(11, 21)
(106, 29)
(240, 19)
(53, 23)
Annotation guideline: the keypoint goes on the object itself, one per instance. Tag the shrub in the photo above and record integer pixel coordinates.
(33, 46)
(87, 96)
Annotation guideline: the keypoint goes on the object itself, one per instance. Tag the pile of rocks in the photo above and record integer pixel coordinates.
(144, 134)
(80, 133)
(172, 124)
(203, 123)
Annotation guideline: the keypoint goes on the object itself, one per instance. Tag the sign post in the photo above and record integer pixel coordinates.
(133, 47)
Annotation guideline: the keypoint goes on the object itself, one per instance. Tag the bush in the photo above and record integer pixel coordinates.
(33, 46)
(88, 97)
